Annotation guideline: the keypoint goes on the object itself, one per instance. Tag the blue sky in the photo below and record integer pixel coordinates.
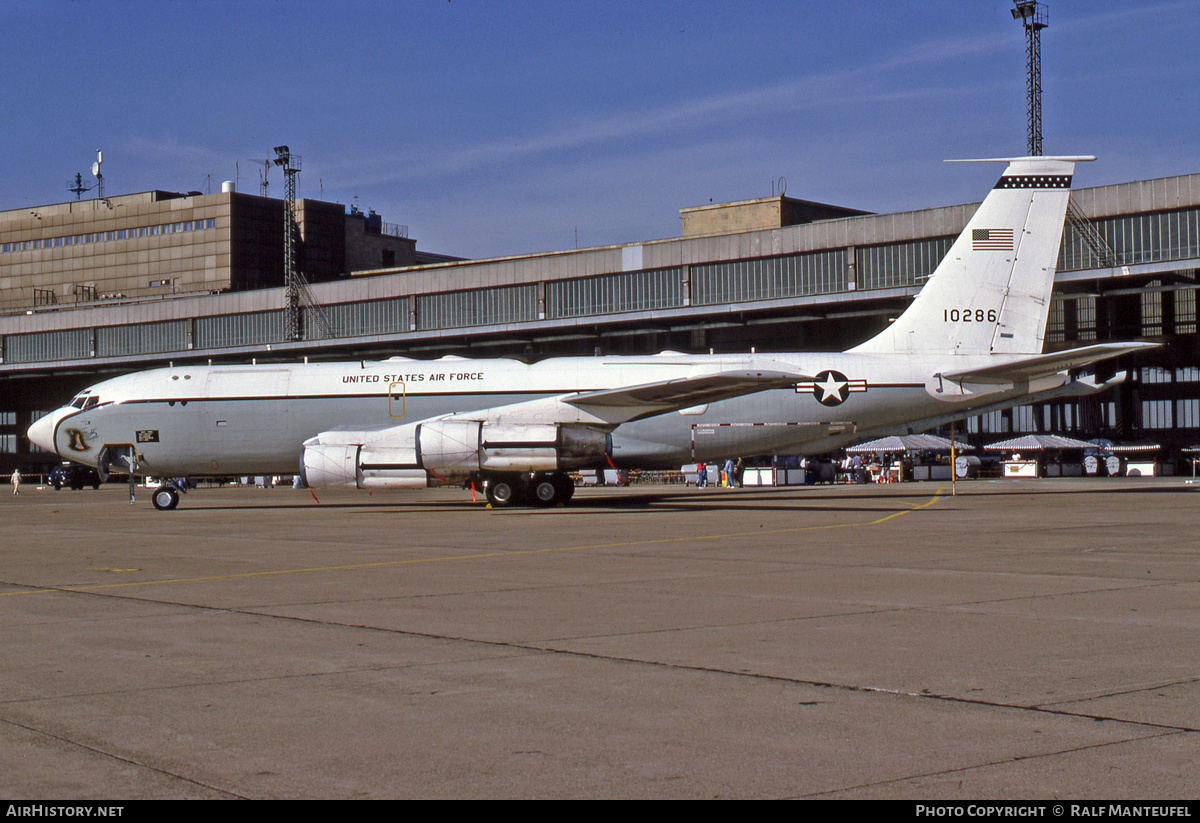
(494, 128)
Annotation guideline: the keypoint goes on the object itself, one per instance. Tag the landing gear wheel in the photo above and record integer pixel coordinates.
(165, 498)
(547, 491)
(500, 493)
(566, 487)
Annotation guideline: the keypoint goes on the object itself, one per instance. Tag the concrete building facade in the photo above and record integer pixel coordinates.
(158, 244)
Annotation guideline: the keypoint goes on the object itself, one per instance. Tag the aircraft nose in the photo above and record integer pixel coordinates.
(42, 432)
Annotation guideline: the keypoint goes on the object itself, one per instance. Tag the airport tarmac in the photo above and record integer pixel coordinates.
(1021, 640)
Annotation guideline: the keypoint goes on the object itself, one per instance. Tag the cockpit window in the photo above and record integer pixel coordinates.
(78, 402)
(91, 401)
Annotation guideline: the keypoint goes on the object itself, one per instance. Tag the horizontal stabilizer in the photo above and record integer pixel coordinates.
(668, 395)
(1043, 365)
(1074, 158)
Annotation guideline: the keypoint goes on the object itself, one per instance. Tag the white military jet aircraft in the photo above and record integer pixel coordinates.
(970, 342)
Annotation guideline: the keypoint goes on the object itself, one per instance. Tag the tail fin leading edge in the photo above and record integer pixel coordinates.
(991, 292)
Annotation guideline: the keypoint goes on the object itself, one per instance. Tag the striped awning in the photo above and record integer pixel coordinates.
(906, 443)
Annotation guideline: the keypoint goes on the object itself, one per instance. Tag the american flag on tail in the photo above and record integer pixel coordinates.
(991, 239)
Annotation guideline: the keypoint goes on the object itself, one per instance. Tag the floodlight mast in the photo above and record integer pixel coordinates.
(291, 167)
(1034, 18)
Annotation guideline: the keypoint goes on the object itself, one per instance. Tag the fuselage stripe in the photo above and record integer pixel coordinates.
(384, 395)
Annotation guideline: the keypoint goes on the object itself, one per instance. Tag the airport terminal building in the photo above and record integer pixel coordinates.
(94, 288)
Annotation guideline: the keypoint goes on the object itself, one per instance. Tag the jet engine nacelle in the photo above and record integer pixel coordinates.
(455, 449)
(322, 466)
(541, 447)
(364, 466)
(446, 451)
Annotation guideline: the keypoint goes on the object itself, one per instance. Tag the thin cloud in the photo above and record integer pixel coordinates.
(816, 91)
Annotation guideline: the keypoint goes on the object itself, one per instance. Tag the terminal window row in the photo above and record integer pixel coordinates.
(1073, 416)
(105, 236)
(1056, 416)
(1135, 238)
(1157, 374)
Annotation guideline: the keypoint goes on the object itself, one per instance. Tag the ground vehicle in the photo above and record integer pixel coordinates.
(75, 476)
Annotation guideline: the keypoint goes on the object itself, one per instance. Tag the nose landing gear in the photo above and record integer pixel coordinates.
(166, 496)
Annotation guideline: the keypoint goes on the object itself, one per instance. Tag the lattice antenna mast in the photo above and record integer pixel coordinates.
(1034, 18)
(291, 167)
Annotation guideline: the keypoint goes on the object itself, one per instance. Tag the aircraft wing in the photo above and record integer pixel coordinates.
(648, 399)
(1044, 365)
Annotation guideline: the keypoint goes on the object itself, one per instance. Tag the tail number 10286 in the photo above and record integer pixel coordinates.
(970, 315)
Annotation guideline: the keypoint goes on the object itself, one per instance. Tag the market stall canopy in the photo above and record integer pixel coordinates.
(906, 443)
(1139, 446)
(1038, 442)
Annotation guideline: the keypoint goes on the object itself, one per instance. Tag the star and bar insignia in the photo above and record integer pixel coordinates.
(831, 388)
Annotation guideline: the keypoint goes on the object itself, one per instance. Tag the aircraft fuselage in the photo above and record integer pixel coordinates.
(227, 420)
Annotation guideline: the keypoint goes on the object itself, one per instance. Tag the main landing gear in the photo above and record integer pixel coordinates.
(539, 489)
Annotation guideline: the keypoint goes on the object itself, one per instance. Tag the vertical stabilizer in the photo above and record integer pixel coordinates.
(991, 293)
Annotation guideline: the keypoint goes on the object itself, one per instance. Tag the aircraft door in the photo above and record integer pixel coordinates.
(396, 399)
(116, 458)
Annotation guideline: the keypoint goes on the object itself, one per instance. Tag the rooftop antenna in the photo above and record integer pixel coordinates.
(1034, 18)
(96, 173)
(263, 183)
(78, 187)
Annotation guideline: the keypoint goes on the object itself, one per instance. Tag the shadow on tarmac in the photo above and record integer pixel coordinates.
(602, 501)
